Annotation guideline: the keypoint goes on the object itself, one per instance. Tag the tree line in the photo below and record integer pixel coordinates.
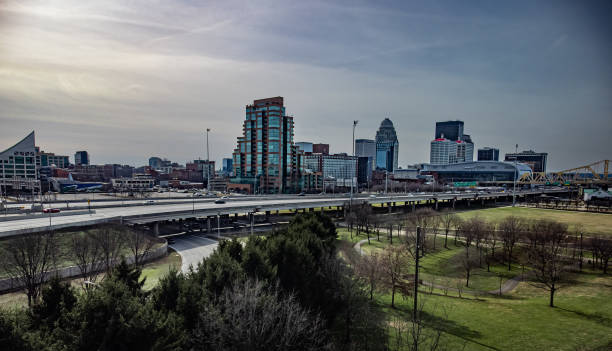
(288, 291)
(547, 248)
(31, 259)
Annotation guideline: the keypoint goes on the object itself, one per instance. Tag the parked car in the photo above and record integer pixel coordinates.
(51, 210)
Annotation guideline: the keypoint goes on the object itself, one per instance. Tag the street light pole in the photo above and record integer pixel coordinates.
(207, 163)
(515, 176)
(353, 175)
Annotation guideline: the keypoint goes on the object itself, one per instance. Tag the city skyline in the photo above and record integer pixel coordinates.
(76, 72)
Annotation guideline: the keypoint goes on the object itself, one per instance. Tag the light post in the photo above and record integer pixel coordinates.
(386, 180)
(515, 176)
(207, 163)
(353, 175)
(218, 226)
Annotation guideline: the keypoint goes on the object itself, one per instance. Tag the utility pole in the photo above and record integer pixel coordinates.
(353, 173)
(416, 276)
(515, 176)
(207, 163)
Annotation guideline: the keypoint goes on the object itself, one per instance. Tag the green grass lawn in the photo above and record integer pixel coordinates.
(155, 270)
(582, 319)
(593, 223)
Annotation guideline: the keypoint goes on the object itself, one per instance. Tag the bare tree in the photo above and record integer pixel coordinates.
(87, 256)
(394, 261)
(511, 229)
(248, 316)
(140, 245)
(28, 258)
(469, 264)
(415, 335)
(602, 248)
(110, 241)
(447, 221)
(426, 218)
(369, 270)
(545, 255)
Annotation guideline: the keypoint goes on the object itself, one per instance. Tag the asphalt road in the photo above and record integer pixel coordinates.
(193, 248)
(242, 205)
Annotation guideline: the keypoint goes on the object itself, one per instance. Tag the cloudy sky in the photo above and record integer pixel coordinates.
(129, 79)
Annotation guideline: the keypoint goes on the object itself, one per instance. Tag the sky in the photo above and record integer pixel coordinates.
(130, 79)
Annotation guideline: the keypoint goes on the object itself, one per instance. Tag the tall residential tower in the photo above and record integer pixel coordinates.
(266, 157)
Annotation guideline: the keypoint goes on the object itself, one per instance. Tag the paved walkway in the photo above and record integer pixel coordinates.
(193, 248)
(507, 286)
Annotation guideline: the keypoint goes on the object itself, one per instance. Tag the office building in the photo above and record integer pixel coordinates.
(18, 166)
(488, 154)
(155, 162)
(535, 160)
(451, 130)
(365, 150)
(320, 149)
(387, 146)
(266, 157)
(46, 159)
(304, 146)
(81, 158)
(341, 169)
(228, 166)
(442, 150)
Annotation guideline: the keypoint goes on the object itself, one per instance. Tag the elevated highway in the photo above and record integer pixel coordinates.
(155, 213)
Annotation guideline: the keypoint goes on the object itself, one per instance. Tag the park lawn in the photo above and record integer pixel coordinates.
(593, 223)
(582, 319)
(155, 270)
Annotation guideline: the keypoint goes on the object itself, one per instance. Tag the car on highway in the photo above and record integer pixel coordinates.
(302, 194)
(51, 210)
(220, 201)
(372, 195)
(148, 202)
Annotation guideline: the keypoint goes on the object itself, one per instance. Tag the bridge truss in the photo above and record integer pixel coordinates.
(595, 173)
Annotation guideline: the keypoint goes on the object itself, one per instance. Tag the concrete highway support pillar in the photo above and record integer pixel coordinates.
(436, 203)
(454, 200)
(156, 228)
(469, 202)
(413, 205)
(208, 225)
(482, 203)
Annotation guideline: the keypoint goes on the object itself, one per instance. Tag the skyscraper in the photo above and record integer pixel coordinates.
(266, 157)
(387, 146)
(442, 150)
(451, 130)
(365, 149)
(81, 158)
(488, 154)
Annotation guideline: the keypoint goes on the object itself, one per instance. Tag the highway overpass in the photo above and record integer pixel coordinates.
(159, 212)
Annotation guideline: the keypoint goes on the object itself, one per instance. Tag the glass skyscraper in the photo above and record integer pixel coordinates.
(387, 146)
(266, 156)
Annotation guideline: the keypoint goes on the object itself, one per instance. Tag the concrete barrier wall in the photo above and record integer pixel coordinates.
(8, 284)
(45, 215)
